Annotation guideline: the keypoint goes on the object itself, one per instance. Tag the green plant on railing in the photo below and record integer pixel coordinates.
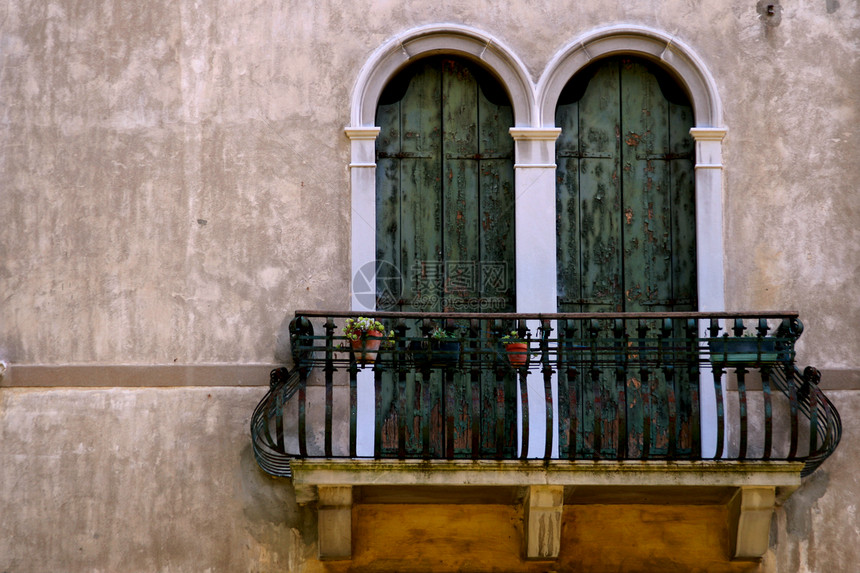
(440, 334)
(362, 327)
(366, 336)
(513, 337)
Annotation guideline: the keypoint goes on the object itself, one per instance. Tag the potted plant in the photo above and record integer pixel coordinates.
(365, 335)
(442, 348)
(517, 348)
(750, 348)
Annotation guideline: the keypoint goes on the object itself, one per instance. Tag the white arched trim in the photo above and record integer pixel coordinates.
(466, 41)
(680, 60)
(646, 42)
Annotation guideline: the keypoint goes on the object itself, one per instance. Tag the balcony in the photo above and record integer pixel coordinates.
(611, 406)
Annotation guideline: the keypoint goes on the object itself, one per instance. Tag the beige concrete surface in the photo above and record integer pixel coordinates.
(140, 480)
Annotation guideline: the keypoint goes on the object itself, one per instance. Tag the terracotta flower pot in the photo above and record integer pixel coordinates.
(367, 347)
(518, 353)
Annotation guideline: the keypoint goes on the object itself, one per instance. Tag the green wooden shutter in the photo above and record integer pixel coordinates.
(445, 193)
(445, 229)
(626, 233)
(625, 198)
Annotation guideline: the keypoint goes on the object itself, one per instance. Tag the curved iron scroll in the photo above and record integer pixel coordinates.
(267, 423)
(825, 429)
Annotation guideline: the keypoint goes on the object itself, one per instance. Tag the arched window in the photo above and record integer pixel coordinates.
(626, 229)
(626, 214)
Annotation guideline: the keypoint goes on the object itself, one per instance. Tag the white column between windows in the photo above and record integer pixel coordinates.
(534, 176)
(709, 217)
(535, 218)
(709, 256)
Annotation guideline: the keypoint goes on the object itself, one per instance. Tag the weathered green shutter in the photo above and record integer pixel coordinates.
(626, 230)
(445, 197)
(445, 221)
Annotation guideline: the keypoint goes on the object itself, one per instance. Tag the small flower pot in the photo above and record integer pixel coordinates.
(367, 347)
(518, 353)
(445, 352)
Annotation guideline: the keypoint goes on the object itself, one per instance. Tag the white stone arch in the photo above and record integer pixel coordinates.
(453, 39)
(672, 53)
(381, 67)
(708, 132)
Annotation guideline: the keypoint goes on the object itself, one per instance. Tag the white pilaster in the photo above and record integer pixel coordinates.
(362, 174)
(535, 218)
(536, 253)
(709, 217)
(709, 256)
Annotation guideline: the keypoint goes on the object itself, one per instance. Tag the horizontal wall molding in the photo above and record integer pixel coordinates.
(831, 380)
(165, 375)
(135, 376)
(839, 379)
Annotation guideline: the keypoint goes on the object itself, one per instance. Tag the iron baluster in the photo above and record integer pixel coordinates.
(768, 412)
(741, 372)
(669, 374)
(593, 333)
(692, 360)
(353, 408)
(645, 383)
(329, 383)
(379, 417)
(793, 411)
(545, 330)
(496, 330)
(619, 332)
(475, 380)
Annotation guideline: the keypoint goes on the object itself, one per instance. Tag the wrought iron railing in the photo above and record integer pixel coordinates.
(622, 386)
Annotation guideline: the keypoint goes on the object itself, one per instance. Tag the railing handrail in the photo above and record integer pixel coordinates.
(548, 315)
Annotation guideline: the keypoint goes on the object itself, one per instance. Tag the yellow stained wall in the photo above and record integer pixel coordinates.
(595, 539)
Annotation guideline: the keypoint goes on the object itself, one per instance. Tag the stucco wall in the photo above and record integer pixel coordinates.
(175, 175)
(140, 480)
(174, 184)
